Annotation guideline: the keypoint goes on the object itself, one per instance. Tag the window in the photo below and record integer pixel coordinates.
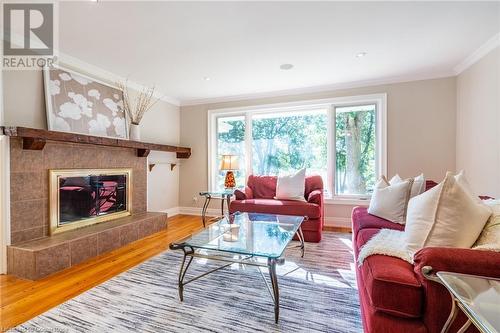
(355, 148)
(341, 139)
(230, 141)
(289, 141)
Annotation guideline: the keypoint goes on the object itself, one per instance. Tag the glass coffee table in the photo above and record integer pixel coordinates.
(243, 238)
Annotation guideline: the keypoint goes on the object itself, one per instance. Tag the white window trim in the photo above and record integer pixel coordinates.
(380, 100)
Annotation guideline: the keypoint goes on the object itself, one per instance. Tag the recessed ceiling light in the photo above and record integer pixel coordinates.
(286, 67)
(206, 78)
(361, 54)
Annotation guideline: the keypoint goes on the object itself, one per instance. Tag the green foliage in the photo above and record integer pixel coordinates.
(365, 123)
(291, 142)
(288, 143)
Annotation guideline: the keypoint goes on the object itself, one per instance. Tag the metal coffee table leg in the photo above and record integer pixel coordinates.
(183, 270)
(300, 234)
(204, 210)
(271, 263)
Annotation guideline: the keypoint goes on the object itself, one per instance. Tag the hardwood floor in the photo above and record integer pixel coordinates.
(22, 300)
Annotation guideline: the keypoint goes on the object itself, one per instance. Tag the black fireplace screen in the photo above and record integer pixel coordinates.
(91, 196)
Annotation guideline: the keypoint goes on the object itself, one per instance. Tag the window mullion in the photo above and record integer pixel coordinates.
(330, 142)
(248, 145)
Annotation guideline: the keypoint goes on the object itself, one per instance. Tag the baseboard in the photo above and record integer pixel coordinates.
(197, 211)
(336, 222)
(342, 222)
(172, 211)
(337, 229)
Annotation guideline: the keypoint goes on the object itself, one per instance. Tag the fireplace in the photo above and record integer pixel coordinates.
(81, 197)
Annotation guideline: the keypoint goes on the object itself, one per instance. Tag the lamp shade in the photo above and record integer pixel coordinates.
(229, 162)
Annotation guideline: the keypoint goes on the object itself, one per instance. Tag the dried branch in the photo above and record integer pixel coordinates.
(143, 102)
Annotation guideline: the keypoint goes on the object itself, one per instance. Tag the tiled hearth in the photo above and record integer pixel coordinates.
(38, 258)
(32, 247)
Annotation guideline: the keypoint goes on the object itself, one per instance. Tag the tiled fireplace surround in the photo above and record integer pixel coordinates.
(33, 253)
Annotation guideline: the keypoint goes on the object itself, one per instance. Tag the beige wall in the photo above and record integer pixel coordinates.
(420, 135)
(478, 124)
(24, 105)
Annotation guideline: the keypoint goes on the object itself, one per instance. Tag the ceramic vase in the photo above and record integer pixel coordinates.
(135, 132)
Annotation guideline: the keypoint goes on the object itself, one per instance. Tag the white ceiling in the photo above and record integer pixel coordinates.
(241, 45)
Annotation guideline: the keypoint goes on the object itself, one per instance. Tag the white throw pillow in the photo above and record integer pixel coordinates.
(418, 186)
(390, 201)
(445, 216)
(490, 236)
(291, 187)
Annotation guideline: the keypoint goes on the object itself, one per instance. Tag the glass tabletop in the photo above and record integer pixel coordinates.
(480, 296)
(215, 194)
(263, 235)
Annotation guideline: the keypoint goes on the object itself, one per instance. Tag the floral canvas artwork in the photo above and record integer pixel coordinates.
(79, 104)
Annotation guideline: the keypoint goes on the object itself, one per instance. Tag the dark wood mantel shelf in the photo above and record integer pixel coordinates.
(34, 139)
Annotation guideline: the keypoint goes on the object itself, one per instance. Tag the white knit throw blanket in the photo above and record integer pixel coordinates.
(387, 242)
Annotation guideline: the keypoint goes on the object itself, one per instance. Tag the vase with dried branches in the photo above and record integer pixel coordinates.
(136, 108)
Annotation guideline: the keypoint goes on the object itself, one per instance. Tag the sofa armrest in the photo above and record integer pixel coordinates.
(458, 260)
(315, 197)
(437, 300)
(242, 195)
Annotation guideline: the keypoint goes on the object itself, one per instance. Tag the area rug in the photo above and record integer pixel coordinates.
(317, 294)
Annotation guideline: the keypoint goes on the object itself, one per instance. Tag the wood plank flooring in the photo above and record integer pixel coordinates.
(21, 300)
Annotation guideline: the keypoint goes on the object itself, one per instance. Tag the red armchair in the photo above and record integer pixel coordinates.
(258, 197)
(395, 296)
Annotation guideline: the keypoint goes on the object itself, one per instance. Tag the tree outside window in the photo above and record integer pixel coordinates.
(283, 141)
(355, 149)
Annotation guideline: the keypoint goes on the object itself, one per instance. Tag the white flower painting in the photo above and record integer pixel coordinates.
(55, 87)
(79, 104)
(99, 126)
(61, 124)
(70, 110)
(94, 93)
(65, 76)
(110, 104)
(119, 126)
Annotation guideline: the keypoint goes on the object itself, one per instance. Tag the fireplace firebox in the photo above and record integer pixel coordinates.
(81, 197)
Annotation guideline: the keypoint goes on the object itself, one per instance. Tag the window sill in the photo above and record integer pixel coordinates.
(346, 201)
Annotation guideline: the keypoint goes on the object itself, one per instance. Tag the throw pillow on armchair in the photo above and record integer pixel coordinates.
(291, 187)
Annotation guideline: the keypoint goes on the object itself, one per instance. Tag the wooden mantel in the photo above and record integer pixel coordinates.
(34, 139)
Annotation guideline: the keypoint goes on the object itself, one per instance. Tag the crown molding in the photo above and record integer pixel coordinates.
(96, 72)
(111, 78)
(318, 89)
(477, 55)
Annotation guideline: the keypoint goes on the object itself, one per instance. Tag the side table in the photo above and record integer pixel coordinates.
(223, 196)
(477, 296)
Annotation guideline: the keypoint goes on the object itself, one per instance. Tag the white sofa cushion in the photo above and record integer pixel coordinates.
(445, 216)
(390, 201)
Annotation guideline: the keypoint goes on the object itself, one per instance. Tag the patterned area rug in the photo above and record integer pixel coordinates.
(317, 293)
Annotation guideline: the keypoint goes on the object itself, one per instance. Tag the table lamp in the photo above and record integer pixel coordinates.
(229, 163)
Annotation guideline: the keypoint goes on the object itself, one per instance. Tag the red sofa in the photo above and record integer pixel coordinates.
(258, 197)
(395, 296)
